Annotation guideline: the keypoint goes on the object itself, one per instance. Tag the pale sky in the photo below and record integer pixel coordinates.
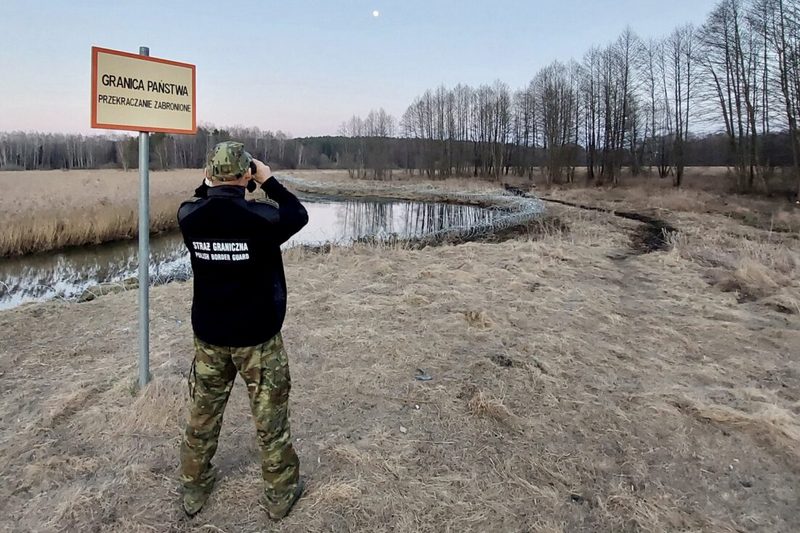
(302, 66)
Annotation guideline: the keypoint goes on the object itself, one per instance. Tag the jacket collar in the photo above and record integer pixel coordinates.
(226, 191)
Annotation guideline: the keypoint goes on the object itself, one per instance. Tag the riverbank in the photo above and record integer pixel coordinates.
(577, 384)
(50, 210)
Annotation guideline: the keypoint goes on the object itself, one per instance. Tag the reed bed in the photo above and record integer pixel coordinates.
(46, 210)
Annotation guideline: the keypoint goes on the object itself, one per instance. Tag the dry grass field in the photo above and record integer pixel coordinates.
(45, 210)
(578, 385)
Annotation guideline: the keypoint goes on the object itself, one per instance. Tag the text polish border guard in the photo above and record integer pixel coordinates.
(143, 122)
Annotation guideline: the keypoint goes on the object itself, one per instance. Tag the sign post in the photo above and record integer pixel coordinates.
(144, 251)
(145, 94)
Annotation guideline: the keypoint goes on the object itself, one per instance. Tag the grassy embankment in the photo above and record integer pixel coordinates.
(577, 385)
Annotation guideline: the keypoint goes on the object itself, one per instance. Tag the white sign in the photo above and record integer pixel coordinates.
(140, 93)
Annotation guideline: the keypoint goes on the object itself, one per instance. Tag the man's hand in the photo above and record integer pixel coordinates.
(263, 172)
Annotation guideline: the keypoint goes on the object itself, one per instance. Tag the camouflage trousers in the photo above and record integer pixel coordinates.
(265, 370)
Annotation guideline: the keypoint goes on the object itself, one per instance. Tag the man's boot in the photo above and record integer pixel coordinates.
(276, 512)
(195, 498)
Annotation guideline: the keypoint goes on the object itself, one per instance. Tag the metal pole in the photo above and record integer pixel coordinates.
(144, 251)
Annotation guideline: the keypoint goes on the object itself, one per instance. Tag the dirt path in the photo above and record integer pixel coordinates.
(575, 388)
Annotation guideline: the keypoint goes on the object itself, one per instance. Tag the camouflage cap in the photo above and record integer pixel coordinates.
(228, 161)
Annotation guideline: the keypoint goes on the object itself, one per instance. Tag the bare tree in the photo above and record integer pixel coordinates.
(729, 61)
(785, 37)
(680, 49)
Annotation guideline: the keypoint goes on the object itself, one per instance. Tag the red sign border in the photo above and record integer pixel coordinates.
(96, 50)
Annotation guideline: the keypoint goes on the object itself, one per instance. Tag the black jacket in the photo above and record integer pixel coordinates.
(234, 244)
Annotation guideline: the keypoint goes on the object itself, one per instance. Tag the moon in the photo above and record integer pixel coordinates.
(376, 13)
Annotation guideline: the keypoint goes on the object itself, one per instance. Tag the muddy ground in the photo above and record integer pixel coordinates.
(579, 384)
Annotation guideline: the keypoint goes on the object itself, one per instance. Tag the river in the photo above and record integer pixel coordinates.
(66, 274)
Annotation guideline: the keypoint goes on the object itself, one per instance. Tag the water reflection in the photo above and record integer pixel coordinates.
(67, 274)
(351, 220)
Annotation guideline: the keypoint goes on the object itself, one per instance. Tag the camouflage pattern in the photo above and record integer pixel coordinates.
(228, 161)
(265, 370)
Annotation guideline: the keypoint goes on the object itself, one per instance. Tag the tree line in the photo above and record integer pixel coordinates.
(634, 104)
(726, 92)
(37, 151)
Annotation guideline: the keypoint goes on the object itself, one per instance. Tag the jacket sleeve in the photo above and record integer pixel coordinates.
(292, 216)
